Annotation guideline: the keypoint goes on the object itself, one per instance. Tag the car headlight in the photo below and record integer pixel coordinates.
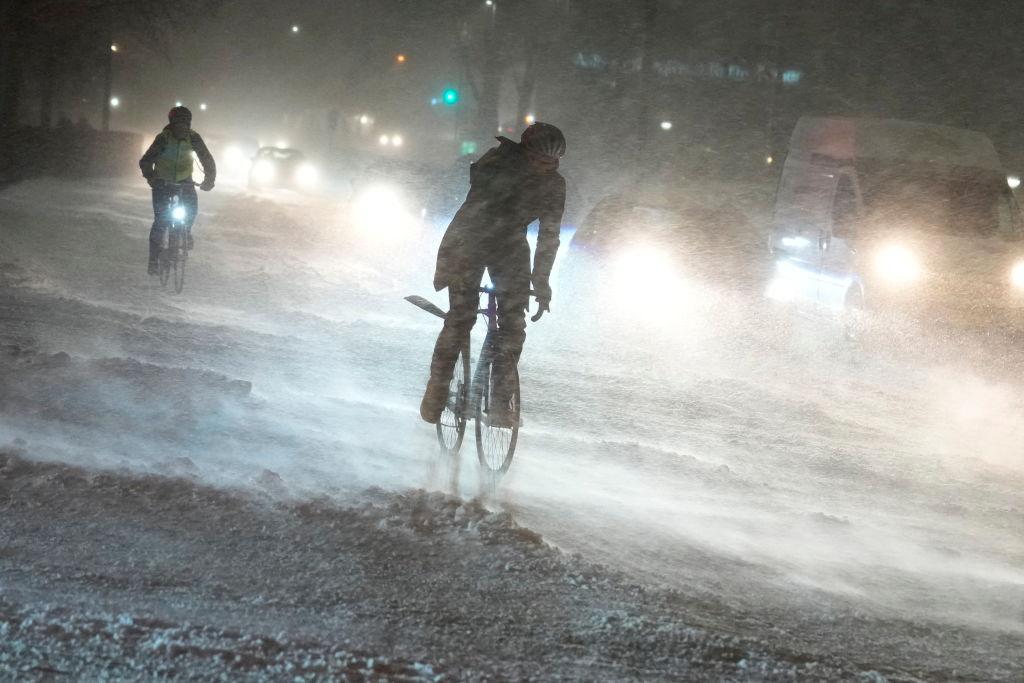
(178, 213)
(1017, 275)
(264, 171)
(306, 176)
(646, 281)
(379, 212)
(234, 158)
(897, 264)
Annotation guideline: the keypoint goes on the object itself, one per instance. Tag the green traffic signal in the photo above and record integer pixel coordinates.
(450, 97)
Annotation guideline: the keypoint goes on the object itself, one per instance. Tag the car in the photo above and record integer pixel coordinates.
(282, 167)
(703, 234)
(895, 215)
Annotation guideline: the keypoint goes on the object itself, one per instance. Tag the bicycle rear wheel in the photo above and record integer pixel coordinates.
(496, 443)
(451, 428)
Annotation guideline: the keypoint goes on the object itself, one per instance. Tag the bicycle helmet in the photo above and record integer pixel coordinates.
(179, 113)
(544, 139)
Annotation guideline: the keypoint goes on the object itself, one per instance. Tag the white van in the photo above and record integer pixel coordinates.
(884, 212)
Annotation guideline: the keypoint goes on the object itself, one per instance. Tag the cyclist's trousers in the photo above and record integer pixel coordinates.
(162, 218)
(510, 275)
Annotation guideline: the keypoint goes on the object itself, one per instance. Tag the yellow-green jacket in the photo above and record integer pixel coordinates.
(170, 159)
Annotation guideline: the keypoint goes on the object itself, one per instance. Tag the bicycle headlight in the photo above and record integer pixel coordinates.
(178, 213)
(898, 265)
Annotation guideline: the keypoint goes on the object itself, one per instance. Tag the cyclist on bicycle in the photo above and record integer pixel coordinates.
(169, 160)
(511, 186)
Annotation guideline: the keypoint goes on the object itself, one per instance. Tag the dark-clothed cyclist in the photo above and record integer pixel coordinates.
(169, 160)
(511, 186)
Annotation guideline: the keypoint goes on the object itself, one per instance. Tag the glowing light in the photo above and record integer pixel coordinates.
(769, 160)
(1013, 181)
(364, 120)
(384, 140)
(795, 242)
(489, 3)
(530, 119)
(295, 28)
(1017, 275)
(397, 140)
(264, 172)
(450, 97)
(897, 265)
(202, 106)
(379, 214)
(281, 143)
(400, 58)
(115, 102)
(645, 283)
(113, 47)
(234, 157)
(666, 125)
(306, 176)
(178, 213)
(178, 103)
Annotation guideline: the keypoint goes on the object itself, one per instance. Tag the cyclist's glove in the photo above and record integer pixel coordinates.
(206, 185)
(542, 291)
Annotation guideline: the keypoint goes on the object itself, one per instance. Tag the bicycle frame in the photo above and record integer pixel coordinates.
(490, 313)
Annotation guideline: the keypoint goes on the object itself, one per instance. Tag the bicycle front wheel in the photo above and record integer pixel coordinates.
(451, 428)
(164, 265)
(496, 438)
(181, 257)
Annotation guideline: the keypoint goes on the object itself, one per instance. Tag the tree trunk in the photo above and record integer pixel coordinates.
(48, 86)
(490, 91)
(12, 26)
(644, 123)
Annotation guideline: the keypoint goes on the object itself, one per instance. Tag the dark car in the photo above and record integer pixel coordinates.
(697, 236)
(282, 167)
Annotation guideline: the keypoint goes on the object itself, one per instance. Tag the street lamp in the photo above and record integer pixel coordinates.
(202, 106)
(113, 47)
(295, 28)
(115, 102)
(666, 125)
(400, 58)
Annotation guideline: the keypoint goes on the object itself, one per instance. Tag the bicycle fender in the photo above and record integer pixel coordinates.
(420, 302)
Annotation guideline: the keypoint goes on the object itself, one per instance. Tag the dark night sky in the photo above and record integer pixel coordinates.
(944, 61)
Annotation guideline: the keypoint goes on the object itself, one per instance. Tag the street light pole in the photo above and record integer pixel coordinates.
(108, 82)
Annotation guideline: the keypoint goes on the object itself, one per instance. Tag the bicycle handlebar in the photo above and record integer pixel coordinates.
(534, 318)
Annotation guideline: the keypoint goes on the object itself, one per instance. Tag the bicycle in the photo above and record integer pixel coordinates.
(495, 443)
(174, 242)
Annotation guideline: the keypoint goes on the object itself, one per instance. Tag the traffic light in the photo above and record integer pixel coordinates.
(450, 97)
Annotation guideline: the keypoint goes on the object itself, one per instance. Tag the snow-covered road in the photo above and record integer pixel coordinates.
(859, 499)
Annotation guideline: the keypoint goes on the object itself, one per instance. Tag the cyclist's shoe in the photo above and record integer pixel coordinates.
(433, 401)
(190, 243)
(153, 269)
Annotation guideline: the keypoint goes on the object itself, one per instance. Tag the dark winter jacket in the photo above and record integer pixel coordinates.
(170, 159)
(505, 196)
